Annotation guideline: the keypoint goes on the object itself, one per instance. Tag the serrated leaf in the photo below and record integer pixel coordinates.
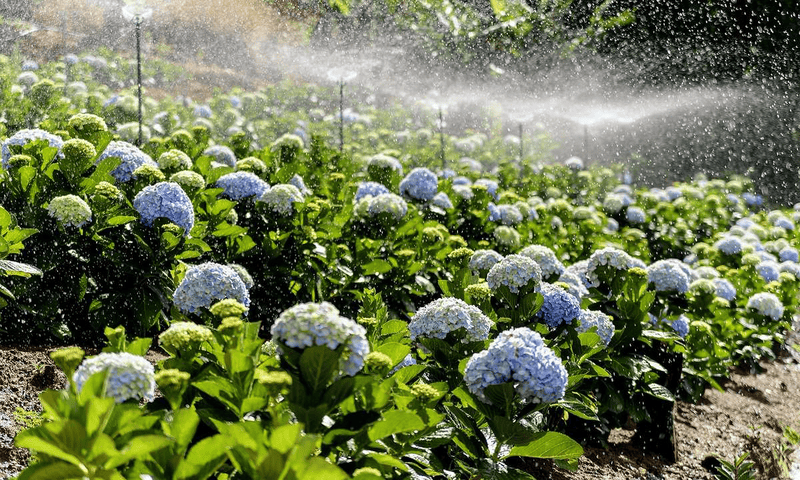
(395, 421)
(16, 267)
(548, 445)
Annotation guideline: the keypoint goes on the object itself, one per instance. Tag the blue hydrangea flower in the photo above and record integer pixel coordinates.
(575, 286)
(612, 225)
(446, 315)
(300, 184)
(674, 193)
(613, 203)
(494, 212)
(509, 214)
(594, 318)
(235, 101)
(732, 198)
(221, 154)
(319, 324)
(612, 257)
(767, 304)
(768, 270)
(729, 245)
(752, 200)
(461, 180)
(519, 356)
(372, 189)
(745, 222)
(483, 260)
(635, 215)
(205, 284)
(667, 276)
(202, 111)
(447, 173)
(168, 200)
(706, 272)
(70, 210)
(580, 270)
(420, 184)
(784, 223)
(22, 137)
(70, 59)
(514, 272)
(725, 289)
(442, 201)
(681, 326)
(130, 157)
(127, 375)
(546, 258)
(558, 307)
(239, 185)
(490, 185)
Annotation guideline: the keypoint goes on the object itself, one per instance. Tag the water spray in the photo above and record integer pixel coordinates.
(441, 136)
(520, 142)
(341, 76)
(138, 13)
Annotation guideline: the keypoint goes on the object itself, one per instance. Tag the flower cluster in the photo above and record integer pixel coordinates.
(407, 361)
(635, 215)
(594, 318)
(442, 201)
(445, 315)
(767, 304)
(221, 154)
(519, 356)
(680, 325)
(70, 210)
(174, 160)
(611, 257)
(130, 157)
(184, 336)
(483, 260)
(490, 185)
(128, 376)
(420, 184)
(168, 200)
(281, 198)
(205, 283)
(300, 184)
(546, 259)
(768, 270)
(514, 272)
(287, 140)
(309, 324)
(574, 163)
(509, 214)
(558, 307)
(188, 179)
(667, 276)
(239, 185)
(724, 288)
(202, 111)
(23, 137)
(371, 189)
(574, 284)
(389, 203)
(507, 236)
(384, 162)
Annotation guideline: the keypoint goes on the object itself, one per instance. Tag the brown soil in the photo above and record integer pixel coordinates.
(748, 417)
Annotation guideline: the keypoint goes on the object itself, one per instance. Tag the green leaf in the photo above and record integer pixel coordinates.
(318, 365)
(205, 457)
(138, 448)
(16, 267)
(120, 220)
(26, 174)
(660, 391)
(501, 396)
(139, 346)
(395, 421)
(376, 266)
(549, 445)
(492, 470)
(394, 350)
(510, 432)
(284, 438)
(388, 460)
(50, 470)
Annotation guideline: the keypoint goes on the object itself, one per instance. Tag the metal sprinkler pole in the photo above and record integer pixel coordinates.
(341, 116)
(139, 74)
(441, 137)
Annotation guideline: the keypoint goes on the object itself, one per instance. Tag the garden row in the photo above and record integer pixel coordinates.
(370, 312)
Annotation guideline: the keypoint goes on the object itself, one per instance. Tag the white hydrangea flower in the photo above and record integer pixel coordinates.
(445, 315)
(128, 376)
